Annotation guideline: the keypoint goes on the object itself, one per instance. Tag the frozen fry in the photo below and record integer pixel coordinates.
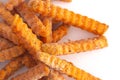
(64, 67)
(11, 68)
(11, 53)
(34, 73)
(13, 3)
(69, 17)
(25, 36)
(60, 32)
(6, 32)
(5, 44)
(75, 46)
(5, 14)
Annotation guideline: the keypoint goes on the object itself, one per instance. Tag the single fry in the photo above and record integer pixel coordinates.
(11, 68)
(5, 44)
(11, 53)
(64, 67)
(64, 0)
(60, 32)
(12, 3)
(69, 17)
(6, 32)
(5, 14)
(25, 36)
(34, 73)
(75, 46)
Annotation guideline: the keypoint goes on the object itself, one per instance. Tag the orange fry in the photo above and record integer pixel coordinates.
(11, 53)
(64, 0)
(69, 17)
(60, 32)
(5, 44)
(11, 68)
(13, 3)
(34, 73)
(75, 46)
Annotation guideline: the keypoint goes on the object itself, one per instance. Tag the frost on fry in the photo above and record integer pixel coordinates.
(11, 53)
(69, 17)
(75, 46)
(64, 67)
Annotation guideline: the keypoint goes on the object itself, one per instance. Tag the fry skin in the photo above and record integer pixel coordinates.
(11, 53)
(5, 44)
(69, 17)
(75, 46)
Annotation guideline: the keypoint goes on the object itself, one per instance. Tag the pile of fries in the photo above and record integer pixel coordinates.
(29, 32)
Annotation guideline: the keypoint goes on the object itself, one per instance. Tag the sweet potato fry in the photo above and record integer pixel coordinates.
(11, 68)
(69, 17)
(13, 3)
(5, 44)
(75, 46)
(64, 66)
(34, 73)
(60, 32)
(5, 14)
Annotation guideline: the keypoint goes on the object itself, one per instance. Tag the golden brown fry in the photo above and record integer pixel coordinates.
(64, 0)
(32, 20)
(60, 32)
(5, 14)
(64, 66)
(6, 32)
(69, 17)
(11, 68)
(13, 3)
(75, 46)
(25, 36)
(5, 44)
(34, 73)
(11, 53)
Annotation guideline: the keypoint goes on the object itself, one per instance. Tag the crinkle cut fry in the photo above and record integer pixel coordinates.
(69, 17)
(64, 66)
(11, 68)
(75, 46)
(5, 14)
(6, 32)
(25, 36)
(11, 53)
(13, 3)
(60, 32)
(34, 73)
(5, 44)
(32, 20)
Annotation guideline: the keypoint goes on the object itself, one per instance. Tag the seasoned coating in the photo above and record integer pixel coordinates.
(69, 17)
(32, 20)
(25, 36)
(5, 44)
(13, 3)
(64, 66)
(75, 46)
(60, 32)
(34, 73)
(11, 53)
(11, 68)
(6, 32)
(5, 14)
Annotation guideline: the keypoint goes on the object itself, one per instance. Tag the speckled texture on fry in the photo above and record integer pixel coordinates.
(69, 17)
(11, 68)
(64, 66)
(75, 46)
(5, 44)
(34, 73)
(11, 53)
(25, 36)
(60, 32)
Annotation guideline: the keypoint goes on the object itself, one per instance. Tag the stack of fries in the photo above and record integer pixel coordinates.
(27, 38)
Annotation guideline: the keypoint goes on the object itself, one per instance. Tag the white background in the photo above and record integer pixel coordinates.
(103, 63)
